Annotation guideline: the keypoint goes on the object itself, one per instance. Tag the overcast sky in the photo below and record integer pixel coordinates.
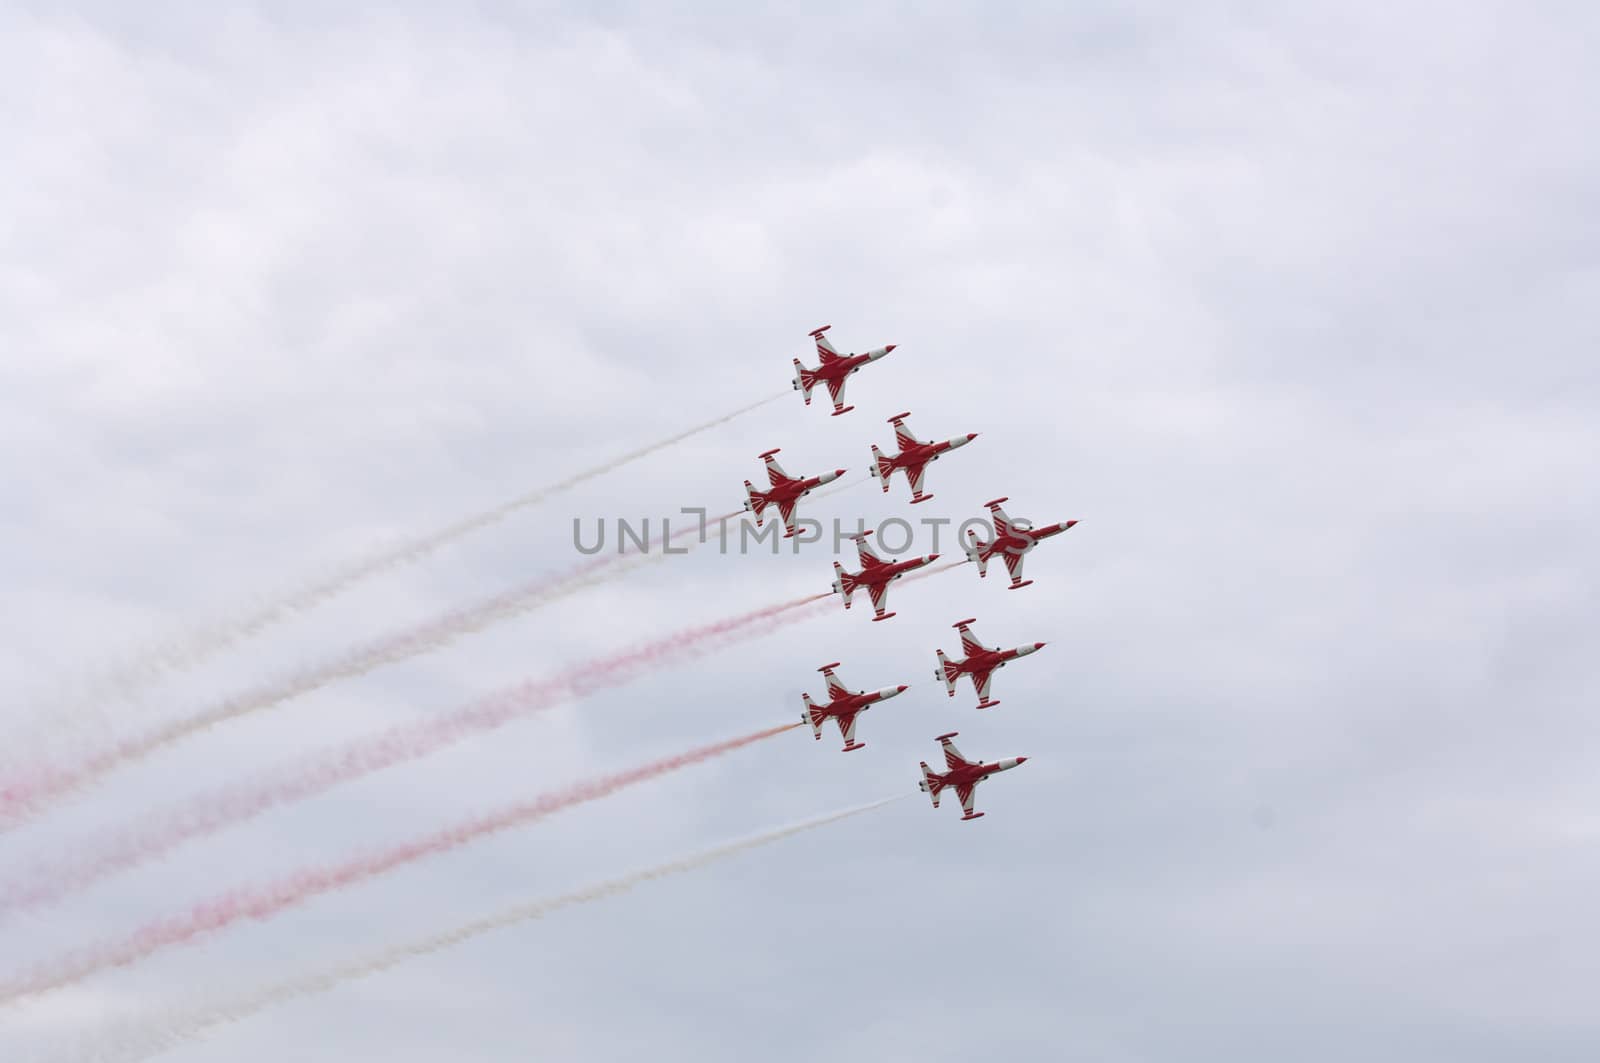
(1293, 306)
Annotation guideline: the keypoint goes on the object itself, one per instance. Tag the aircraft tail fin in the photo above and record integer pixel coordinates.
(931, 784)
(974, 552)
(948, 671)
(844, 584)
(881, 467)
(814, 716)
(804, 380)
(755, 500)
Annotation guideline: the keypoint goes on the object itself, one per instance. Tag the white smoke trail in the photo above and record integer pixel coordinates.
(77, 864)
(141, 1038)
(50, 777)
(24, 794)
(188, 650)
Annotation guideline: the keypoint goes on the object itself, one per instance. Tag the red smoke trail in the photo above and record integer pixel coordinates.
(133, 844)
(263, 902)
(188, 650)
(22, 797)
(934, 569)
(150, 1034)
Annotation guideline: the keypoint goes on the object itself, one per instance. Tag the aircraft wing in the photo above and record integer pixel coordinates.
(980, 683)
(864, 552)
(775, 473)
(969, 642)
(1014, 565)
(914, 477)
(966, 791)
(847, 727)
(904, 436)
(826, 352)
(836, 687)
(786, 511)
(880, 596)
(952, 755)
(836, 390)
(1000, 520)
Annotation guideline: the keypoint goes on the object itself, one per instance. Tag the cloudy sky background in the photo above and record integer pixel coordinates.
(1294, 309)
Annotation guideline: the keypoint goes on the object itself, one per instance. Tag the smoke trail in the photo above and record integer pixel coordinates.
(186, 651)
(263, 902)
(141, 1038)
(22, 797)
(930, 570)
(132, 844)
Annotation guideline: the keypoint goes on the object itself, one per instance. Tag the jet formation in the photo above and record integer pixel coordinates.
(1011, 540)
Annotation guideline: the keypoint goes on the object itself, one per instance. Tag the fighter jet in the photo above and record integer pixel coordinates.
(1010, 540)
(876, 574)
(979, 663)
(913, 457)
(833, 369)
(964, 775)
(844, 705)
(786, 490)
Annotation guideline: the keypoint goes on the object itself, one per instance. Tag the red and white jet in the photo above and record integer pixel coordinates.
(913, 457)
(1010, 540)
(876, 574)
(979, 663)
(786, 490)
(844, 705)
(963, 774)
(833, 369)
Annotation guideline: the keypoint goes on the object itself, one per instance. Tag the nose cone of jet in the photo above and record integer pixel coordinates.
(1023, 651)
(1022, 760)
(1070, 523)
(930, 559)
(829, 477)
(889, 347)
(957, 442)
(873, 356)
(888, 692)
